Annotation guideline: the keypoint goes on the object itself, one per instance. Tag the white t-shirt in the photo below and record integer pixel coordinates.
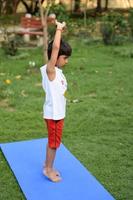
(55, 101)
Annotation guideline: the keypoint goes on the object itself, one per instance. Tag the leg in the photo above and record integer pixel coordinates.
(51, 152)
(55, 129)
(48, 170)
(50, 157)
(51, 146)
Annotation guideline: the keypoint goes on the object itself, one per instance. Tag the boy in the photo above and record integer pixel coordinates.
(55, 85)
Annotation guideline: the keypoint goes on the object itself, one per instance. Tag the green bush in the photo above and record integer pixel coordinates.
(51, 32)
(114, 17)
(60, 11)
(130, 20)
(118, 39)
(111, 35)
(12, 43)
(61, 14)
(107, 31)
(10, 47)
(124, 52)
(115, 29)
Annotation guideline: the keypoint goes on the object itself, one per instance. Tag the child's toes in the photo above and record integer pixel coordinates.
(52, 176)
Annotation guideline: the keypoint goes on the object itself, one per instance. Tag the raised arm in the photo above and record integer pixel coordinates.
(55, 50)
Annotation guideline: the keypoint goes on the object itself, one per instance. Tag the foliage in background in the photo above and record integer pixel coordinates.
(60, 11)
(130, 20)
(10, 47)
(6, 7)
(115, 29)
(107, 32)
(124, 52)
(61, 14)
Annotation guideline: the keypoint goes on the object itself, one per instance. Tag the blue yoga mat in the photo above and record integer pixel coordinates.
(26, 159)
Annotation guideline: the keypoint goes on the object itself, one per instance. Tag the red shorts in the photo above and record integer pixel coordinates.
(55, 128)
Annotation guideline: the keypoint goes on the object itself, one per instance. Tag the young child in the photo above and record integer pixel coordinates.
(55, 85)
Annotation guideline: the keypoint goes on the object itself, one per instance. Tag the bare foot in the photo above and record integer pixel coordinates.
(54, 170)
(52, 175)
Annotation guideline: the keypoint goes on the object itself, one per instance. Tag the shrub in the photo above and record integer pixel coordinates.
(124, 52)
(130, 20)
(114, 17)
(10, 47)
(118, 39)
(115, 29)
(60, 11)
(107, 31)
(61, 14)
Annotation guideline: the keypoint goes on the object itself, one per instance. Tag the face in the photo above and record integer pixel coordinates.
(62, 60)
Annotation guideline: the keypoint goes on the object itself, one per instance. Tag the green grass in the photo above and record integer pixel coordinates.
(98, 128)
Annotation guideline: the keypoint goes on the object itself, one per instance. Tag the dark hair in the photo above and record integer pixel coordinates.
(65, 49)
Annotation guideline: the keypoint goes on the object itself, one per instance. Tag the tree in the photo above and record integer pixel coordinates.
(44, 17)
(9, 7)
(85, 10)
(129, 3)
(106, 4)
(6, 7)
(77, 5)
(15, 5)
(99, 7)
(1, 7)
(32, 7)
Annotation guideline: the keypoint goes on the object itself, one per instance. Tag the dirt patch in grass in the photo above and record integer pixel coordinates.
(4, 103)
(38, 84)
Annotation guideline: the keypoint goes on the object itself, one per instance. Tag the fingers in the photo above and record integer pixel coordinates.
(63, 24)
(56, 22)
(60, 25)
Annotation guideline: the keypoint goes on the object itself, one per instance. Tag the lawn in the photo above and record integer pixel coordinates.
(99, 123)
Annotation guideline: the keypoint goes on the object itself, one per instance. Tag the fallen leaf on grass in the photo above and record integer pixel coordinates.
(23, 93)
(18, 77)
(2, 74)
(38, 84)
(92, 94)
(5, 104)
(75, 100)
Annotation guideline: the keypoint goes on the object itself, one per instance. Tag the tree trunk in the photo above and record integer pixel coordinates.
(72, 6)
(106, 4)
(1, 7)
(45, 31)
(32, 8)
(26, 6)
(129, 3)
(77, 5)
(15, 5)
(6, 7)
(85, 13)
(36, 7)
(99, 7)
